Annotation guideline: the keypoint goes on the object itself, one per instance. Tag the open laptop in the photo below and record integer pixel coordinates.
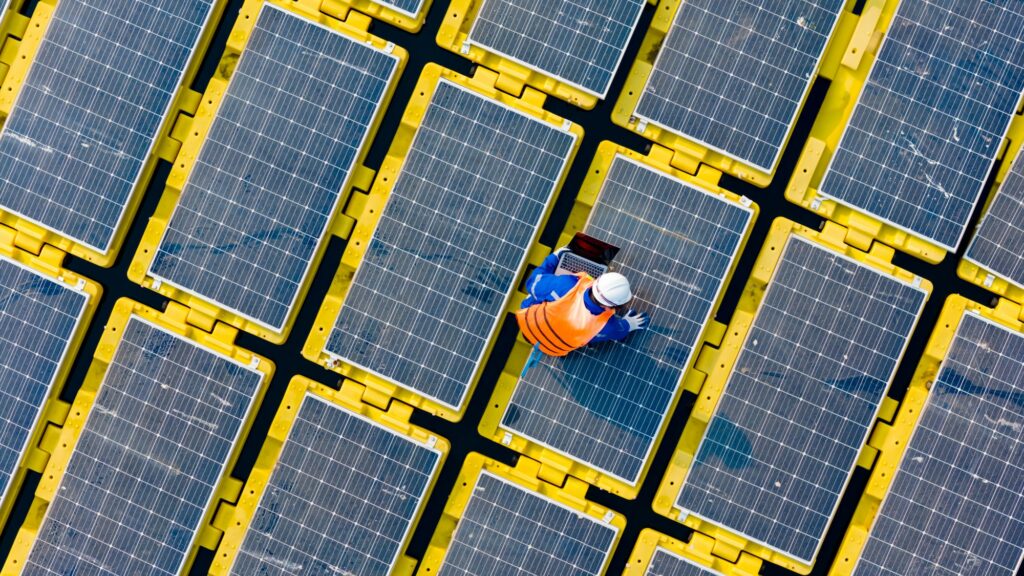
(586, 254)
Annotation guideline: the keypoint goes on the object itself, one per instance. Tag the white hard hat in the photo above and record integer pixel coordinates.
(612, 289)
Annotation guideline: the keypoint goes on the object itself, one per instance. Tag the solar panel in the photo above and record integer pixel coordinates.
(580, 42)
(665, 563)
(996, 246)
(733, 74)
(408, 7)
(955, 504)
(256, 207)
(801, 399)
(38, 318)
(604, 405)
(932, 116)
(341, 499)
(89, 112)
(143, 472)
(507, 529)
(449, 245)
(3, 8)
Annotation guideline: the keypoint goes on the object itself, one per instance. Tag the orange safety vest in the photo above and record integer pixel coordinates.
(561, 326)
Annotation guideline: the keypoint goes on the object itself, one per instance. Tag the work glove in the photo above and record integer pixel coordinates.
(561, 251)
(636, 320)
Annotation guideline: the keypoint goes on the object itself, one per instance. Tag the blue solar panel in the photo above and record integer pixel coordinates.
(409, 7)
(604, 405)
(273, 168)
(449, 245)
(932, 116)
(140, 479)
(996, 246)
(341, 499)
(507, 529)
(665, 563)
(732, 74)
(580, 42)
(89, 112)
(956, 503)
(801, 399)
(38, 318)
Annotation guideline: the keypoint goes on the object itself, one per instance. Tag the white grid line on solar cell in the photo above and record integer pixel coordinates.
(584, 44)
(667, 563)
(73, 149)
(708, 52)
(510, 530)
(800, 400)
(955, 502)
(410, 8)
(38, 318)
(272, 170)
(996, 245)
(341, 499)
(400, 320)
(156, 441)
(921, 179)
(605, 405)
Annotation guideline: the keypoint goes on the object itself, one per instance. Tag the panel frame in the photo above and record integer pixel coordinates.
(13, 32)
(351, 9)
(235, 519)
(973, 271)
(695, 152)
(366, 209)
(659, 159)
(174, 321)
(891, 439)
(831, 237)
(453, 36)
(4, 5)
(167, 142)
(699, 551)
(53, 411)
(828, 129)
(196, 135)
(527, 474)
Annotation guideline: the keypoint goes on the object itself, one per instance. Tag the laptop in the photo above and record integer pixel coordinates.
(586, 254)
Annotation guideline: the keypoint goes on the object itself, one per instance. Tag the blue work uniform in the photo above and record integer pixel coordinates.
(544, 286)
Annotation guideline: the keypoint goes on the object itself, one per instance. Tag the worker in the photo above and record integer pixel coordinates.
(566, 312)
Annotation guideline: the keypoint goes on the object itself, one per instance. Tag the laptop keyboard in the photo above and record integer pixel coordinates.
(571, 263)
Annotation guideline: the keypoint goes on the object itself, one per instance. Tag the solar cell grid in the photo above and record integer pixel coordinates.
(996, 246)
(605, 405)
(800, 399)
(342, 471)
(272, 170)
(580, 42)
(408, 7)
(73, 148)
(507, 529)
(159, 434)
(956, 502)
(4, 4)
(665, 563)
(38, 318)
(932, 116)
(732, 74)
(449, 245)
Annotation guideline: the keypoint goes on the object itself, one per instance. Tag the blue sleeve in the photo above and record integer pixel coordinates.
(548, 266)
(616, 329)
(544, 286)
